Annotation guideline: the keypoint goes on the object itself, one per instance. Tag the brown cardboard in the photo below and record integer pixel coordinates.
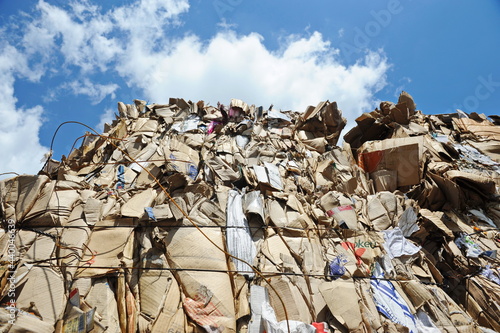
(135, 206)
(102, 297)
(347, 312)
(483, 128)
(42, 201)
(482, 185)
(153, 284)
(92, 210)
(47, 293)
(416, 292)
(490, 148)
(172, 317)
(369, 313)
(222, 169)
(28, 323)
(340, 208)
(21, 192)
(291, 296)
(402, 155)
(385, 180)
(383, 210)
(483, 292)
(193, 250)
(43, 248)
(277, 256)
(437, 219)
(104, 249)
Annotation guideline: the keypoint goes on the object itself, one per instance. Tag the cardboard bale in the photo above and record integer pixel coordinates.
(145, 228)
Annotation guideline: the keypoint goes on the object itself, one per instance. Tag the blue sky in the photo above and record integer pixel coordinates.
(74, 60)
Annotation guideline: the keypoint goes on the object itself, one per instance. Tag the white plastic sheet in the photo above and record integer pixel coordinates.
(397, 245)
(239, 239)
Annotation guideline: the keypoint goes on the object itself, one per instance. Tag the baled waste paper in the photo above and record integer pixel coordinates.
(187, 217)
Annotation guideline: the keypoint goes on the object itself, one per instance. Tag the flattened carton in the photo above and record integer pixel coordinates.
(402, 155)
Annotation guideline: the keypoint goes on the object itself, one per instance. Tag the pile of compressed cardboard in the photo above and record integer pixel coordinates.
(194, 218)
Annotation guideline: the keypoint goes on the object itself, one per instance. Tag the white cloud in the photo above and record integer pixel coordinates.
(228, 66)
(83, 43)
(19, 128)
(107, 117)
(148, 18)
(304, 71)
(95, 91)
(223, 24)
(402, 82)
(91, 40)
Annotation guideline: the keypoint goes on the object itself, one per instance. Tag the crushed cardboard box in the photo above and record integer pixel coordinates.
(187, 217)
